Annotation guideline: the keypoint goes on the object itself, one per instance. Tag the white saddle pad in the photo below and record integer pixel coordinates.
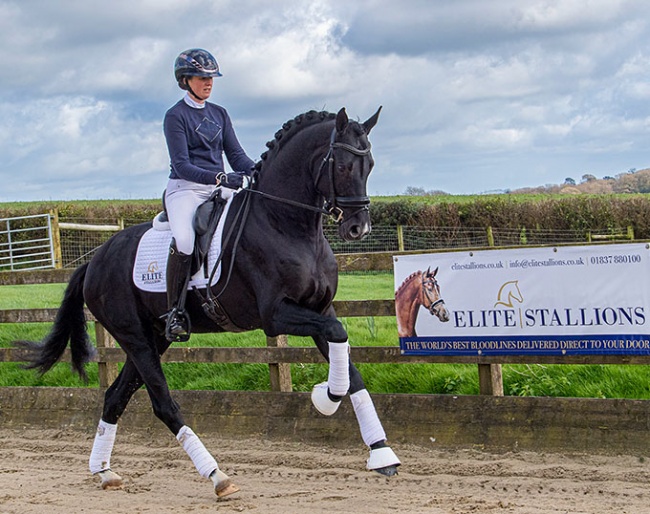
(149, 270)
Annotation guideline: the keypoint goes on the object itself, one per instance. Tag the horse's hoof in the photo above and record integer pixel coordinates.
(321, 400)
(223, 486)
(384, 461)
(389, 471)
(110, 479)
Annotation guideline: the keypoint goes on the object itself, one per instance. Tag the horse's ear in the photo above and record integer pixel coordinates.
(435, 272)
(372, 121)
(341, 120)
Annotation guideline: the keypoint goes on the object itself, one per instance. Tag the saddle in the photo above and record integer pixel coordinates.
(205, 223)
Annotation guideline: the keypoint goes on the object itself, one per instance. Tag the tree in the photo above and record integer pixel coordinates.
(570, 181)
(415, 191)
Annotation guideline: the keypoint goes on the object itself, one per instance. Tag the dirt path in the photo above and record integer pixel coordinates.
(46, 471)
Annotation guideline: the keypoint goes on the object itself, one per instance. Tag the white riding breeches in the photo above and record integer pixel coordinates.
(182, 198)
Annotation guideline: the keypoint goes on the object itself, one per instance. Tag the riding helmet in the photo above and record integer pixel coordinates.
(195, 62)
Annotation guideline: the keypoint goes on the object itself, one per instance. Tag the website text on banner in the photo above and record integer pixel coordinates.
(572, 300)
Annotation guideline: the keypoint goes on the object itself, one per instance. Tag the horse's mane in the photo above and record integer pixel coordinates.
(408, 280)
(291, 128)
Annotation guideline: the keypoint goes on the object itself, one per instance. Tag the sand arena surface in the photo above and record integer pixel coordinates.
(46, 471)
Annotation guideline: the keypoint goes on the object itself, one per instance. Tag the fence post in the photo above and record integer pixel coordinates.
(630, 232)
(400, 238)
(490, 380)
(490, 236)
(56, 239)
(107, 370)
(280, 373)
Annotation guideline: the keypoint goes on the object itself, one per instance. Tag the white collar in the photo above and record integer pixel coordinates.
(188, 100)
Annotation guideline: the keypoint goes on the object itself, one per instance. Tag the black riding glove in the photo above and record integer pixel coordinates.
(230, 180)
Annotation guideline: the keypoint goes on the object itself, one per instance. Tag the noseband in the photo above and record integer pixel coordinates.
(335, 204)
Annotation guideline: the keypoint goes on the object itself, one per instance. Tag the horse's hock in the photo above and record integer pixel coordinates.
(434, 421)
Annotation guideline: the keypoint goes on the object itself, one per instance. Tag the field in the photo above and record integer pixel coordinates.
(595, 381)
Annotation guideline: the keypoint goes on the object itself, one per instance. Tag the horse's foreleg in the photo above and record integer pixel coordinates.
(332, 340)
(327, 396)
(382, 458)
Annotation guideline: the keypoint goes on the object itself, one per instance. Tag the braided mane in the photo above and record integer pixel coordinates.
(290, 128)
(408, 280)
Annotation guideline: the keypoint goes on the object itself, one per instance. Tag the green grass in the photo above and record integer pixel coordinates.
(590, 381)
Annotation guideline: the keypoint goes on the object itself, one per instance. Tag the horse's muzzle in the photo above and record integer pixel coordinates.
(439, 309)
(355, 227)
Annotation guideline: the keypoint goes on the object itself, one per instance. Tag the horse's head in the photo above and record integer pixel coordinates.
(431, 297)
(343, 175)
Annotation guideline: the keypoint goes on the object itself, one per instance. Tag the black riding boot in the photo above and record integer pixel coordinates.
(178, 325)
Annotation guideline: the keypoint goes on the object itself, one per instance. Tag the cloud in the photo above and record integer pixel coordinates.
(477, 95)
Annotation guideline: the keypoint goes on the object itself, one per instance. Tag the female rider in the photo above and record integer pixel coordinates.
(198, 133)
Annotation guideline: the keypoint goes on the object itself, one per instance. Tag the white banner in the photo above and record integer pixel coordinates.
(560, 301)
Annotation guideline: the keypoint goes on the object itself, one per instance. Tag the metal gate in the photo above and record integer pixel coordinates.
(26, 243)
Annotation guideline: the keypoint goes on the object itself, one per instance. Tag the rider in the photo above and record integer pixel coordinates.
(198, 133)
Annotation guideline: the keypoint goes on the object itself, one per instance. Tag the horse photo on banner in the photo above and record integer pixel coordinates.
(526, 301)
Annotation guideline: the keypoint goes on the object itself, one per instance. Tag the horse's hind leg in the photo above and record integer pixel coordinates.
(382, 458)
(146, 359)
(116, 398)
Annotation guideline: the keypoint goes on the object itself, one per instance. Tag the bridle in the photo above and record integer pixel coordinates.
(433, 302)
(333, 202)
(334, 205)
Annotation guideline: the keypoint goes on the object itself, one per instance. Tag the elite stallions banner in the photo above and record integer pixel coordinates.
(537, 301)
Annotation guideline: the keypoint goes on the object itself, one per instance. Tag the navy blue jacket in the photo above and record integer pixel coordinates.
(197, 140)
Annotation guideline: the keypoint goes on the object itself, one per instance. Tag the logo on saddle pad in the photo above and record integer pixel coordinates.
(153, 274)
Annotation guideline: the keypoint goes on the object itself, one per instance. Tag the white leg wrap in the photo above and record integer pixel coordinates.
(100, 457)
(338, 378)
(369, 424)
(204, 462)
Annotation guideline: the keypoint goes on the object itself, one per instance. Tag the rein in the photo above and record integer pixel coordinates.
(332, 205)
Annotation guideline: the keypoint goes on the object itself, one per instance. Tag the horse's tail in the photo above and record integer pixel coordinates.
(69, 325)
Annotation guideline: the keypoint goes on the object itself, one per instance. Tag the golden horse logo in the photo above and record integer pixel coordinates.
(153, 267)
(509, 291)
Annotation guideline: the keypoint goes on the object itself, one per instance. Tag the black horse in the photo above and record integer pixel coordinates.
(280, 275)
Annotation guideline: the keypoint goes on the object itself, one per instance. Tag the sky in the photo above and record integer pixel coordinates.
(478, 96)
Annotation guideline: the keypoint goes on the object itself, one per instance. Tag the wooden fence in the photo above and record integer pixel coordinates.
(277, 354)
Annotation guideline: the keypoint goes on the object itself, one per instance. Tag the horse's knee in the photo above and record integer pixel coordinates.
(335, 333)
(169, 414)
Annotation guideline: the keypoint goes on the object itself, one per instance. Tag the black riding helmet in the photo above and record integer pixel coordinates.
(195, 62)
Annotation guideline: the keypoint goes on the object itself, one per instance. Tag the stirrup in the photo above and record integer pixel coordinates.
(178, 326)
